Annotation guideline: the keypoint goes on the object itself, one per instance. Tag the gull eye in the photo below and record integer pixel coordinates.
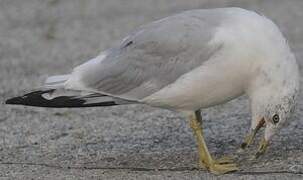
(275, 118)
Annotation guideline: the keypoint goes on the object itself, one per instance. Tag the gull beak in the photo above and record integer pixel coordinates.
(262, 148)
(251, 136)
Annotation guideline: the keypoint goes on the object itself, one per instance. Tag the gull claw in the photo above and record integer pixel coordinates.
(251, 136)
(262, 148)
(224, 160)
(249, 139)
(223, 168)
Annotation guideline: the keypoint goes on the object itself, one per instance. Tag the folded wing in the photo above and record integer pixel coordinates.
(151, 58)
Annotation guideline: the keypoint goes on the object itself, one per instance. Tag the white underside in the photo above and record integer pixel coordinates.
(210, 84)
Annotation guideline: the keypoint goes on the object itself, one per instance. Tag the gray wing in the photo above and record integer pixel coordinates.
(153, 57)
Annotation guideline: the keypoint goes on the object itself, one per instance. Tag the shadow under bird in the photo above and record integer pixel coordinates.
(187, 62)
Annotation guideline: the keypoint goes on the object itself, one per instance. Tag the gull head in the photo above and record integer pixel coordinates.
(277, 114)
(273, 99)
(273, 113)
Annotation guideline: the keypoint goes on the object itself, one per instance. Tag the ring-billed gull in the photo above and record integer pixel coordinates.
(186, 62)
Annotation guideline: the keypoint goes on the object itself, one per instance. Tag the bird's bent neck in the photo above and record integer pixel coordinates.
(274, 79)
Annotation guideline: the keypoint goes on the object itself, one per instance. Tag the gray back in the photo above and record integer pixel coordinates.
(156, 55)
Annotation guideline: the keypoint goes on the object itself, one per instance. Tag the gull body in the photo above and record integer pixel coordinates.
(224, 51)
(186, 62)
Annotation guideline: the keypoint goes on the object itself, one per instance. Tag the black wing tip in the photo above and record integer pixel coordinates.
(36, 99)
(21, 100)
(14, 100)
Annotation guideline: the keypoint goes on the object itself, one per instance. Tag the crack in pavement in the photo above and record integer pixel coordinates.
(147, 169)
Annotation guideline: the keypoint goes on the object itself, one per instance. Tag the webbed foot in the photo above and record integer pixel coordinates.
(223, 168)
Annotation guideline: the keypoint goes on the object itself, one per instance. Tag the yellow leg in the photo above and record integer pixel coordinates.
(205, 160)
(251, 136)
(248, 139)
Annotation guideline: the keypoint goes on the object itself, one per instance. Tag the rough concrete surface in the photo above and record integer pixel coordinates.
(40, 38)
